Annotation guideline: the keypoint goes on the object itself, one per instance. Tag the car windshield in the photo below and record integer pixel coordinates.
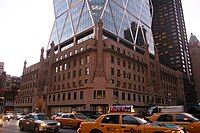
(81, 116)
(142, 121)
(192, 117)
(42, 117)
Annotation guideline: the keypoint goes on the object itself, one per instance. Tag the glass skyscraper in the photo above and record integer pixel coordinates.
(129, 20)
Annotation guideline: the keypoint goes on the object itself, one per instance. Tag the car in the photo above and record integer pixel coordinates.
(38, 122)
(1, 120)
(72, 119)
(8, 116)
(18, 116)
(186, 120)
(125, 123)
(89, 113)
(54, 116)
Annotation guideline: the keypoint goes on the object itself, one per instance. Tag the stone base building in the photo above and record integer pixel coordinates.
(97, 72)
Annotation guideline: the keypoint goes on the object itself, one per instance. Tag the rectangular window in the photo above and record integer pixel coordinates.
(75, 95)
(123, 96)
(81, 95)
(94, 95)
(112, 59)
(99, 94)
(87, 59)
(112, 71)
(54, 97)
(134, 98)
(49, 97)
(87, 71)
(80, 72)
(63, 96)
(58, 98)
(69, 96)
(139, 99)
(129, 97)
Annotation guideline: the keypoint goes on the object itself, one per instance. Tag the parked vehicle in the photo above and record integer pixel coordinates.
(72, 119)
(54, 116)
(188, 121)
(18, 116)
(8, 116)
(38, 122)
(125, 123)
(90, 114)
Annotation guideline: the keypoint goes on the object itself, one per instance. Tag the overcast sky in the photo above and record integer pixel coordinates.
(25, 27)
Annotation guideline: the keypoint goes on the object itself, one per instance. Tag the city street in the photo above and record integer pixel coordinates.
(12, 127)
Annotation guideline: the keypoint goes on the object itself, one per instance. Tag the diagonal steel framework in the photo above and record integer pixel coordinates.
(128, 19)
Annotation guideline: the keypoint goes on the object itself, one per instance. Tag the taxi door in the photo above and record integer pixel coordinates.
(182, 120)
(110, 124)
(72, 120)
(131, 125)
(63, 119)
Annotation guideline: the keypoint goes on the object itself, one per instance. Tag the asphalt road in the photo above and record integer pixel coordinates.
(12, 127)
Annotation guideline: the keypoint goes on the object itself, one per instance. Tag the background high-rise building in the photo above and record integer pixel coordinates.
(194, 49)
(1, 67)
(128, 21)
(171, 41)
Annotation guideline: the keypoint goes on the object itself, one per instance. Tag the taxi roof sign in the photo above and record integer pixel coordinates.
(121, 108)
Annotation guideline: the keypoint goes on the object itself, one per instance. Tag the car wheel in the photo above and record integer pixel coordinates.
(78, 125)
(96, 131)
(1, 125)
(36, 129)
(21, 127)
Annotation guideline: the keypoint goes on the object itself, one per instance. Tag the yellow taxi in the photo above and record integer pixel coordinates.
(124, 122)
(189, 122)
(72, 119)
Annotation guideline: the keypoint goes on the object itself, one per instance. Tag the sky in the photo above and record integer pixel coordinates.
(25, 27)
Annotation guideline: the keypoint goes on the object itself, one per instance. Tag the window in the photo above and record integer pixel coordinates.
(129, 97)
(54, 97)
(81, 61)
(81, 49)
(112, 71)
(49, 97)
(111, 119)
(87, 72)
(99, 94)
(165, 118)
(87, 59)
(134, 97)
(112, 59)
(75, 95)
(123, 96)
(183, 118)
(58, 98)
(81, 95)
(69, 96)
(128, 119)
(63, 96)
(80, 72)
